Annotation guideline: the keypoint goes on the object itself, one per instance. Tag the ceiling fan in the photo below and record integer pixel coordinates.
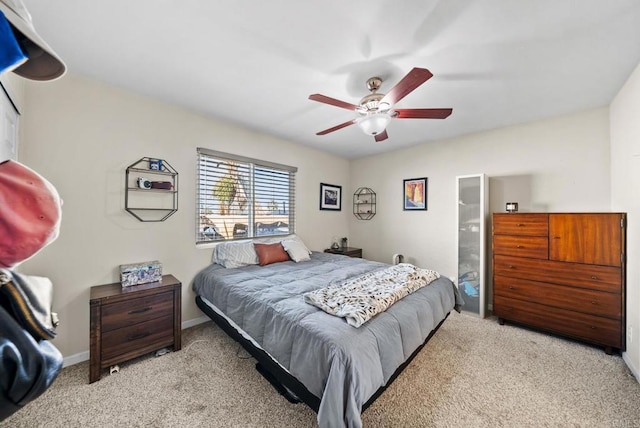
(376, 110)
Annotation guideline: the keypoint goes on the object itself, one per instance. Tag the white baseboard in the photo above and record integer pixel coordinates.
(194, 322)
(84, 356)
(75, 359)
(629, 364)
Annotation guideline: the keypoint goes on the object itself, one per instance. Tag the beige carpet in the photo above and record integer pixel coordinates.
(473, 373)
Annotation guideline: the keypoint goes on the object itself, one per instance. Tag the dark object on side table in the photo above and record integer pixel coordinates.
(346, 251)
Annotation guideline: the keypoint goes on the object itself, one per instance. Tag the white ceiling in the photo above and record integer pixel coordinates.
(255, 62)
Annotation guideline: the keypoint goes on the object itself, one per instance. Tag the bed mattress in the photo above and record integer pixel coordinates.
(342, 365)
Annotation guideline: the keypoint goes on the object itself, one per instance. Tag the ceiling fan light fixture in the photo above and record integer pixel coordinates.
(384, 107)
(374, 124)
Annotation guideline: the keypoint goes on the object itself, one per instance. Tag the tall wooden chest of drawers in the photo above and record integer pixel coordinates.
(563, 273)
(127, 322)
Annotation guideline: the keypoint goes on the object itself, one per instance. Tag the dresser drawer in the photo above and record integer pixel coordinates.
(576, 299)
(603, 278)
(603, 331)
(152, 334)
(521, 224)
(521, 246)
(133, 311)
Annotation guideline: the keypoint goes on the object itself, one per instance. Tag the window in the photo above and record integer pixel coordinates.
(239, 197)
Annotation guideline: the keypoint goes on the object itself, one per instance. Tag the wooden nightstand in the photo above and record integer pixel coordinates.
(127, 322)
(348, 251)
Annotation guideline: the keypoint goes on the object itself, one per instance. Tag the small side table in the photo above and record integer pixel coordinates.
(347, 251)
(127, 322)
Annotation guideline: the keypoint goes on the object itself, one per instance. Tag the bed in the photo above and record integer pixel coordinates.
(308, 354)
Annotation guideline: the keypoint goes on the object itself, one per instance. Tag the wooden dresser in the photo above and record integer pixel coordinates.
(127, 322)
(563, 273)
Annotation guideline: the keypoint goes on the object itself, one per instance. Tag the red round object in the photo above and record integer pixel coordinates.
(30, 213)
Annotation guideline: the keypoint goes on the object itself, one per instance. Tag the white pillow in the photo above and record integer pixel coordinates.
(235, 254)
(297, 238)
(296, 250)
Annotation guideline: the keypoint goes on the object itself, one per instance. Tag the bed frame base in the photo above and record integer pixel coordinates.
(286, 384)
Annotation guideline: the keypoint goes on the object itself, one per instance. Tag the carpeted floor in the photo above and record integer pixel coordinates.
(473, 373)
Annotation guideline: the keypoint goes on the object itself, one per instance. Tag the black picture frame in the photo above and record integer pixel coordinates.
(414, 194)
(330, 197)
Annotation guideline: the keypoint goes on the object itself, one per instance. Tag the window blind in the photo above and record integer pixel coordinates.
(240, 197)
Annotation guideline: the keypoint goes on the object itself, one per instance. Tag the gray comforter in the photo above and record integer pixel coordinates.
(340, 364)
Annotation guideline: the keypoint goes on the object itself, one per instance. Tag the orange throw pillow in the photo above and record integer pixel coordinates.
(271, 253)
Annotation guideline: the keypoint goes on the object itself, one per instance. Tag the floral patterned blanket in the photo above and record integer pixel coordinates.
(360, 298)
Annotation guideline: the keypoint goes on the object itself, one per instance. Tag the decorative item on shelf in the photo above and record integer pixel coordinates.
(144, 183)
(164, 185)
(343, 241)
(140, 273)
(364, 203)
(335, 245)
(512, 207)
(155, 164)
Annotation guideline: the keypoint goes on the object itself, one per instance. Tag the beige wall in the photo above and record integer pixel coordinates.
(81, 135)
(560, 164)
(625, 196)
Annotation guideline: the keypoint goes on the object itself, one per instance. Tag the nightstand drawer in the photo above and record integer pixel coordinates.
(122, 314)
(153, 333)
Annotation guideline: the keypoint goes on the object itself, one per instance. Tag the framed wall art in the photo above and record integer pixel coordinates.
(415, 194)
(330, 197)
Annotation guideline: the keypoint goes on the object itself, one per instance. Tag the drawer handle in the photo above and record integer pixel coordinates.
(594, 303)
(594, 277)
(593, 327)
(521, 224)
(511, 287)
(512, 267)
(140, 311)
(137, 336)
(518, 246)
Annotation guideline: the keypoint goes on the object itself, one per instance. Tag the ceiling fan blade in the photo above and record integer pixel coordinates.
(411, 81)
(335, 128)
(381, 136)
(332, 101)
(422, 113)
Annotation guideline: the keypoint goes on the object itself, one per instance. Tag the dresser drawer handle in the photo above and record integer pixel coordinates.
(512, 267)
(593, 327)
(594, 277)
(511, 287)
(137, 336)
(521, 225)
(594, 303)
(140, 311)
(519, 246)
